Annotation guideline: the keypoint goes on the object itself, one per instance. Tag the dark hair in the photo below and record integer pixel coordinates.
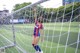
(40, 20)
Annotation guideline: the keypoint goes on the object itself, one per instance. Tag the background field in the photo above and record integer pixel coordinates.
(53, 31)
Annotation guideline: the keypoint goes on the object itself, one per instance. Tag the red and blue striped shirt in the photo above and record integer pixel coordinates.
(37, 27)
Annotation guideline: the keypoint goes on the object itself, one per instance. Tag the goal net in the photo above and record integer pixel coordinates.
(61, 29)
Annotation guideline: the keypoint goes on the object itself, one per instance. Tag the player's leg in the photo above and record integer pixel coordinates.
(33, 40)
(33, 43)
(36, 40)
(36, 43)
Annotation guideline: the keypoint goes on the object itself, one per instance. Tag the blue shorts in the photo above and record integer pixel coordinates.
(37, 35)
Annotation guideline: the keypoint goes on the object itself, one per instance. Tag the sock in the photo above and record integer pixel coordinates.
(35, 47)
(39, 48)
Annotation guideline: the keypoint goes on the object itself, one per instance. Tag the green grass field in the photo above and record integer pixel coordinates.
(52, 32)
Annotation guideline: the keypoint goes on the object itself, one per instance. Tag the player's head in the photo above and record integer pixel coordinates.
(40, 19)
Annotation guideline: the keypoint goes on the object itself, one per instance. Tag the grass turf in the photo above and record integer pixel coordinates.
(52, 33)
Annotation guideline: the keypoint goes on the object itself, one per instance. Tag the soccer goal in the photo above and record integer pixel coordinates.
(8, 30)
(61, 29)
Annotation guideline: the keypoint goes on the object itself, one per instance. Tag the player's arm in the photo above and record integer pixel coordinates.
(35, 15)
(42, 34)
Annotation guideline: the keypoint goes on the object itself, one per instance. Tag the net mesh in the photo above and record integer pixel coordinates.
(61, 30)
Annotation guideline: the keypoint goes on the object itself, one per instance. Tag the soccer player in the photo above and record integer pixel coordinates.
(38, 30)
